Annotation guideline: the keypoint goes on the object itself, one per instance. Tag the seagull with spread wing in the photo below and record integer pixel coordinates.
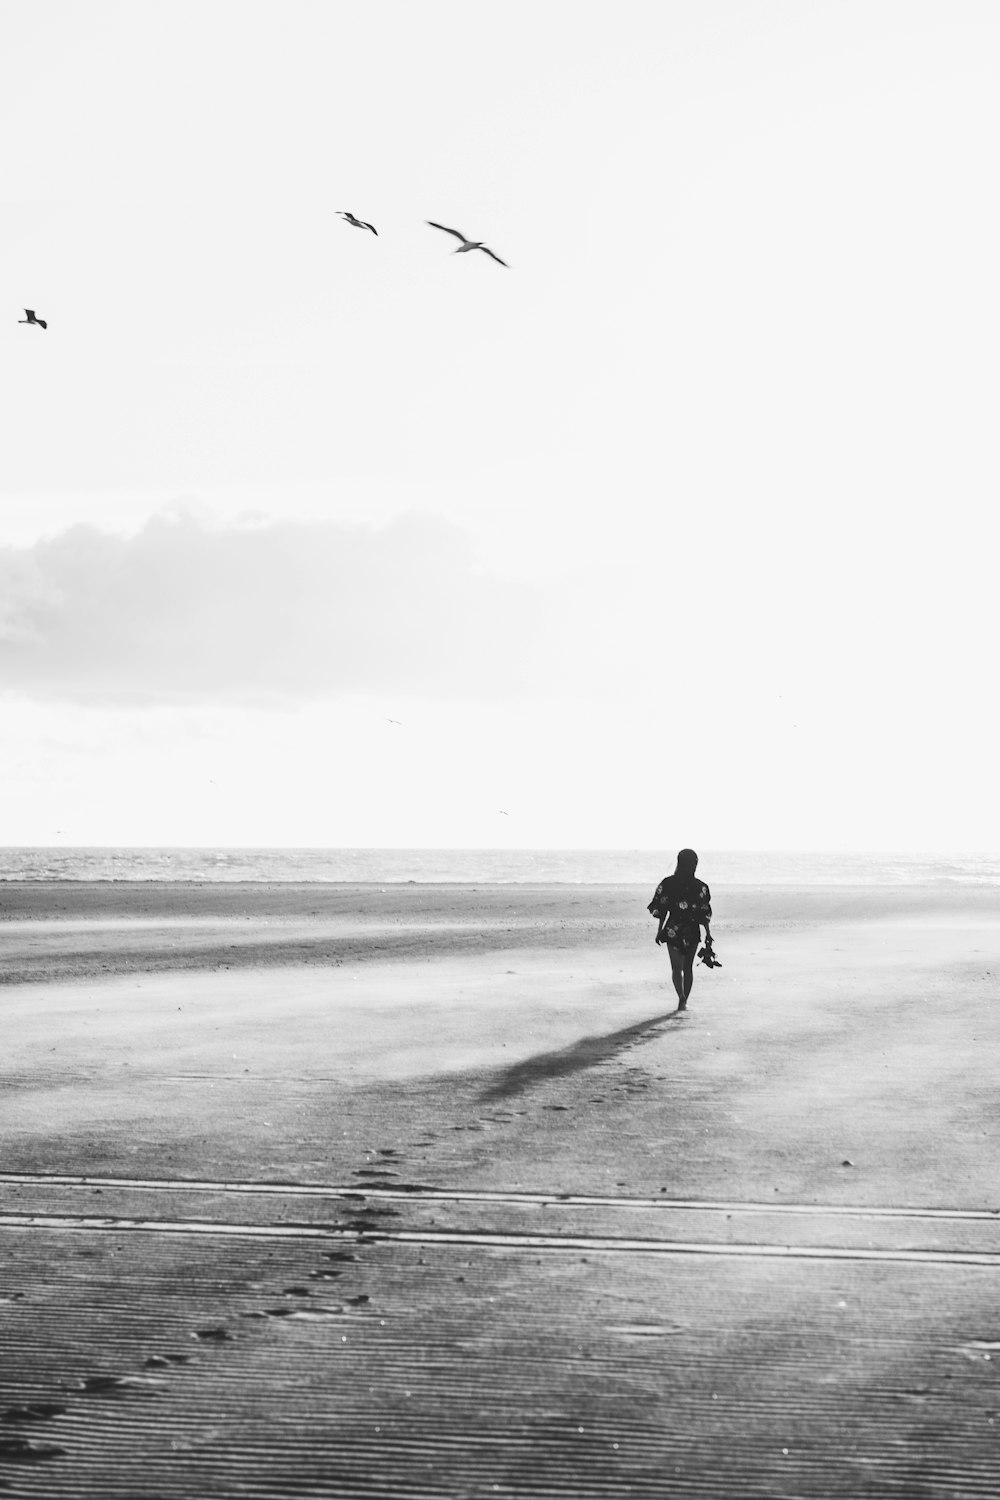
(30, 318)
(467, 244)
(358, 223)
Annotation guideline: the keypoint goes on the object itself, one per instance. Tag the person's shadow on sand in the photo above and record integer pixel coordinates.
(585, 1053)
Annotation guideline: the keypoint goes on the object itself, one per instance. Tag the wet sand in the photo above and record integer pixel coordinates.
(436, 1193)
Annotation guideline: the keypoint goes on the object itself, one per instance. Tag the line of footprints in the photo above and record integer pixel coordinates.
(18, 1447)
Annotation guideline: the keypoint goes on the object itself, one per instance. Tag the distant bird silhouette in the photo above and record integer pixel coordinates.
(32, 319)
(467, 244)
(358, 223)
(503, 814)
(395, 721)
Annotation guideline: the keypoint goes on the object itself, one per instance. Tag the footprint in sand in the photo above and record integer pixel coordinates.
(33, 1411)
(100, 1385)
(364, 1224)
(20, 1450)
(300, 1314)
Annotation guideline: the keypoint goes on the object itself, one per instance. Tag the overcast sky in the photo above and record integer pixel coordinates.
(679, 530)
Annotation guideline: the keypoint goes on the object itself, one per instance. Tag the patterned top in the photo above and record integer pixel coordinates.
(683, 908)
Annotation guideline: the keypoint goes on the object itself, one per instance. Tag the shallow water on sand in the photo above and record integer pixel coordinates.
(493, 866)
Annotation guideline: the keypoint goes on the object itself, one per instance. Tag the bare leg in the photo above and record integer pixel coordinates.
(688, 974)
(677, 963)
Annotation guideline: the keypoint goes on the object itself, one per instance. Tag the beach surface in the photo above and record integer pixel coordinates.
(428, 1190)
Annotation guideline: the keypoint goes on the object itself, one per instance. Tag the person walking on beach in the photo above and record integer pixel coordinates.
(683, 905)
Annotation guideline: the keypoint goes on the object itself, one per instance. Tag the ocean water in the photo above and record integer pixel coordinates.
(500, 866)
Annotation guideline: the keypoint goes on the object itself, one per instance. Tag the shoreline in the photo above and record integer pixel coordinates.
(950, 882)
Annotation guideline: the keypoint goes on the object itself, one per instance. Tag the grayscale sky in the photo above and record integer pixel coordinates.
(680, 530)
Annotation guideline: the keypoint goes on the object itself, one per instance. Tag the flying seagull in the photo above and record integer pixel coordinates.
(358, 223)
(467, 244)
(32, 319)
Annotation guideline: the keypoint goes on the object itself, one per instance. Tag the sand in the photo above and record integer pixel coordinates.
(587, 1220)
